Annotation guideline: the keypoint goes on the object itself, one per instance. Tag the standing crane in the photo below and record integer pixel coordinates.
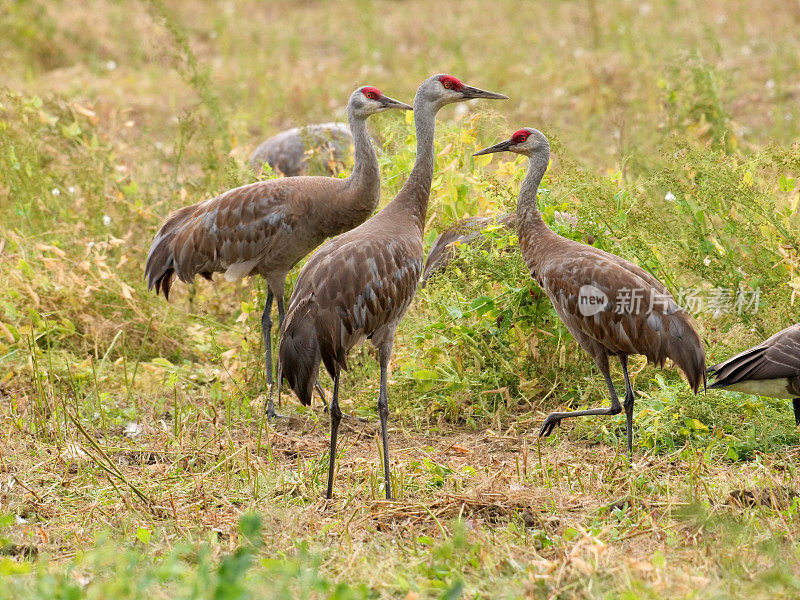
(266, 227)
(290, 152)
(610, 306)
(770, 369)
(359, 285)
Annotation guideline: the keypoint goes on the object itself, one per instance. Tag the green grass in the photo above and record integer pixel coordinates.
(129, 456)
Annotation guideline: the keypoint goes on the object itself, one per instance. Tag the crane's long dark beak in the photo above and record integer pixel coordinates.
(501, 147)
(473, 92)
(392, 103)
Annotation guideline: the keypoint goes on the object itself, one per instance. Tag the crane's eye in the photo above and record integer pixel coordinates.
(520, 138)
(450, 83)
(370, 95)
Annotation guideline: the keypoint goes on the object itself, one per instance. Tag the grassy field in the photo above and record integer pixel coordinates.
(129, 457)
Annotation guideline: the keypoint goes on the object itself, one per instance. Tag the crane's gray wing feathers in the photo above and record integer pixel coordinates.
(359, 285)
(234, 231)
(354, 287)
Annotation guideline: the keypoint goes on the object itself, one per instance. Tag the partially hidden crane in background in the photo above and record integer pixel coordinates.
(359, 285)
(472, 231)
(302, 150)
(266, 227)
(770, 369)
(469, 230)
(610, 306)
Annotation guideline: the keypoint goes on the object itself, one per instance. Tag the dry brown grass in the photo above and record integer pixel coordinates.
(565, 514)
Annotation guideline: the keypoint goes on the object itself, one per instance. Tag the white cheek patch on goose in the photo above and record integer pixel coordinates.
(774, 388)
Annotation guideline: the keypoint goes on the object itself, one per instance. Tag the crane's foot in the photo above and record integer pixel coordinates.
(549, 425)
(270, 412)
(272, 415)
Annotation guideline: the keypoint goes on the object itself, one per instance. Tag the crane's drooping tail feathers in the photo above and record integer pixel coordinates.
(687, 352)
(160, 270)
(298, 351)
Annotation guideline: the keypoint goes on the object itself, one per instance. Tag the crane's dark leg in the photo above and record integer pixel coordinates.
(796, 404)
(266, 325)
(281, 312)
(281, 316)
(270, 413)
(384, 354)
(326, 408)
(628, 403)
(554, 418)
(266, 330)
(336, 416)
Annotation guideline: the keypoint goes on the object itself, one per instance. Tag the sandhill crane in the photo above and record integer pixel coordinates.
(266, 227)
(466, 231)
(359, 285)
(610, 306)
(770, 369)
(291, 152)
(471, 231)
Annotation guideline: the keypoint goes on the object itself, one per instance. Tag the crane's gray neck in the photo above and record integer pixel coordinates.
(413, 197)
(365, 163)
(527, 208)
